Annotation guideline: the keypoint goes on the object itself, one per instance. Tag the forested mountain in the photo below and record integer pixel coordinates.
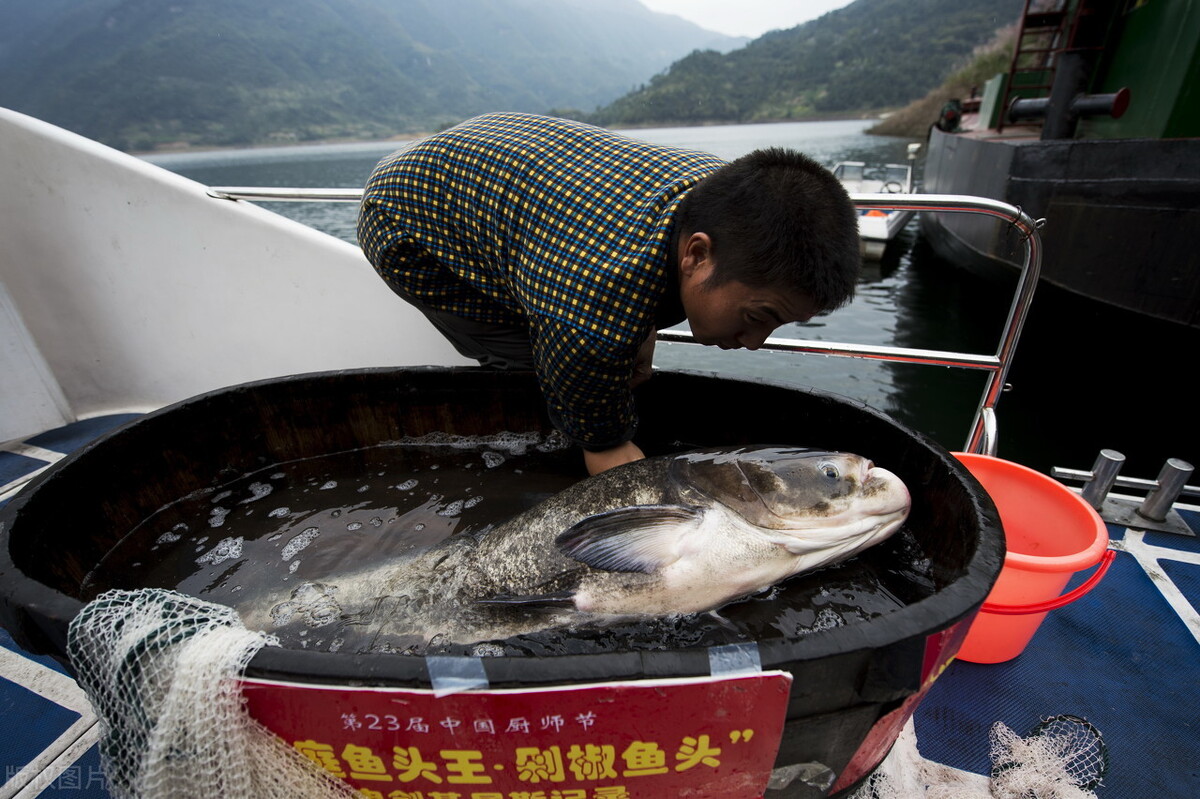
(141, 73)
(870, 55)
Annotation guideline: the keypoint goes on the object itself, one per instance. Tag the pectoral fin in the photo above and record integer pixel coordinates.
(642, 538)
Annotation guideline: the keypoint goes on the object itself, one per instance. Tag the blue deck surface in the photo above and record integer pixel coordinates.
(1121, 657)
(31, 723)
(62, 440)
(34, 721)
(70, 437)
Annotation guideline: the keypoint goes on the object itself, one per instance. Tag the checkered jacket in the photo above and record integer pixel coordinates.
(547, 223)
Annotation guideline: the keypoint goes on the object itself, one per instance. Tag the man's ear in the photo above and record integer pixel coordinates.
(695, 253)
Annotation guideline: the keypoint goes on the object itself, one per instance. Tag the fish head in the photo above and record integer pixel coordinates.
(810, 502)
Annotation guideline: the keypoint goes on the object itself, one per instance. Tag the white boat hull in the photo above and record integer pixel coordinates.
(125, 286)
(877, 228)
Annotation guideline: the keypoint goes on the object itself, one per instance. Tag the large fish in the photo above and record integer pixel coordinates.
(665, 535)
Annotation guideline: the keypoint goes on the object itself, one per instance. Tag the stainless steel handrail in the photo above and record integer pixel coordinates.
(982, 437)
(281, 194)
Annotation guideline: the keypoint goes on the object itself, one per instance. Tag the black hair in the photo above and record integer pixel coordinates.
(777, 218)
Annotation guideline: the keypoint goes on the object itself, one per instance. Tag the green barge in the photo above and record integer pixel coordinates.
(1096, 129)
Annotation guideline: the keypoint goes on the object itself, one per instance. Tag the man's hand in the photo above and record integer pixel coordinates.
(597, 462)
(643, 366)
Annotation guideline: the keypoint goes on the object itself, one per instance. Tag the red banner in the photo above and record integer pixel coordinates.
(651, 739)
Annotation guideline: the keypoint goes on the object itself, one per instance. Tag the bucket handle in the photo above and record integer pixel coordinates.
(1058, 601)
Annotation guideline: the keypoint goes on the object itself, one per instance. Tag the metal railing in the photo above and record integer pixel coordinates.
(982, 437)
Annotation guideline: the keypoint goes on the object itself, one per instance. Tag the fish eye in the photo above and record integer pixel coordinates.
(829, 470)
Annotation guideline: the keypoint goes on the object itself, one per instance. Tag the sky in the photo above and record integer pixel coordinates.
(750, 18)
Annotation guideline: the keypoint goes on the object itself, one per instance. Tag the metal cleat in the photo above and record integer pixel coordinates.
(1155, 511)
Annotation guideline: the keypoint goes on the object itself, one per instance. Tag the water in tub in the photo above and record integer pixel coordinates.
(299, 549)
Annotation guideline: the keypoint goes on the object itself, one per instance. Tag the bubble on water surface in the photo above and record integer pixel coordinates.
(258, 491)
(555, 442)
(512, 443)
(279, 513)
(226, 549)
(198, 494)
(217, 517)
(299, 542)
(827, 619)
(407, 485)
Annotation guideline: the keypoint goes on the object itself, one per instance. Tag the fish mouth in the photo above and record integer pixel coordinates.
(877, 480)
(889, 498)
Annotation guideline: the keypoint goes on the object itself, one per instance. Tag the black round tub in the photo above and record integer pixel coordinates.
(853, 686)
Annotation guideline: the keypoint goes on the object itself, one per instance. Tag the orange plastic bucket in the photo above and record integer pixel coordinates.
(1050, 533)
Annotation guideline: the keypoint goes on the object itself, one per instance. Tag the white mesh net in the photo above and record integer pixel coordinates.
(160, 669)
(1064, 757)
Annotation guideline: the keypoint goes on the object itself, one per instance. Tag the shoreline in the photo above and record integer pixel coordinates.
(178, 148)
(181, 148)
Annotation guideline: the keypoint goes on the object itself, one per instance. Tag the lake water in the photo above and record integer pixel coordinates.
(1084, 376)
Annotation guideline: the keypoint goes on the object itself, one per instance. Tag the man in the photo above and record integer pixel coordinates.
(545, 244)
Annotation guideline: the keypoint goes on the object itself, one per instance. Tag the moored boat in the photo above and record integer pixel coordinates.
(878, 227)
(1095, 128)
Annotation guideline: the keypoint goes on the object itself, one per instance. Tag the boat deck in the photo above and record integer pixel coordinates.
(49, 732)
(1124, 657)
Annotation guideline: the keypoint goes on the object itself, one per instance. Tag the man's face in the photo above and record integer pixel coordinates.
(734, 315)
